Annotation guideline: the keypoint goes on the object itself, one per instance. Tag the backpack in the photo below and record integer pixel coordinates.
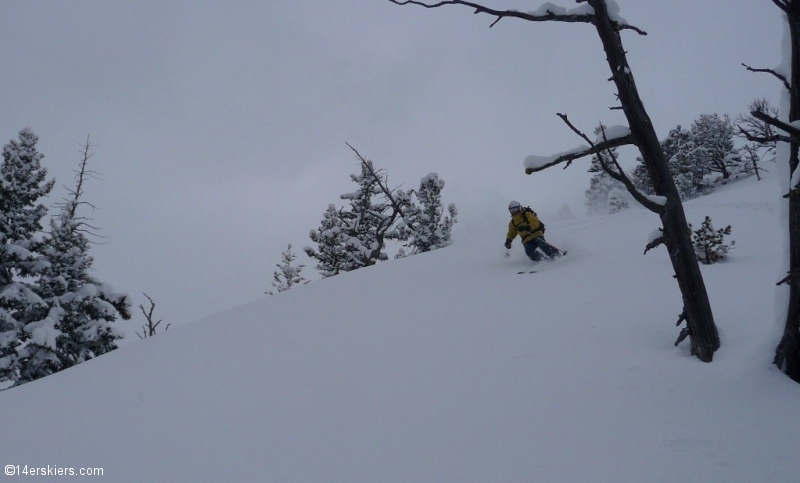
(541, 223)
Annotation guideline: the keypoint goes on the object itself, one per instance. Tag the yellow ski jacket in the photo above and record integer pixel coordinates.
(525, 224)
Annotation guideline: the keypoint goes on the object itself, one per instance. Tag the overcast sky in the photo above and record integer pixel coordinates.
(220, 127)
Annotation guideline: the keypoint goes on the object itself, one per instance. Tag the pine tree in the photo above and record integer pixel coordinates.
(24, 315)
(689, 173)
(709, 244)
(355, 236)
(714, 146)
(617, 200)
(85, 308)
(330, 237)
(427, 227)
(288, 275)
(370, 220)
(641, 178)
(685, 165)
(602, 184)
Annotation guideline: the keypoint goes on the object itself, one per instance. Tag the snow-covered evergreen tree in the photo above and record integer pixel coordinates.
(427, 227)
(288, 274)
(355, 236)
(685, 164)
(709, 244)
(370, 219)
(601, 184)
(330, 237)
(689, 172)
(24, 315)
(714, 147)
(641, 178)
(617, 200)
(83, 308)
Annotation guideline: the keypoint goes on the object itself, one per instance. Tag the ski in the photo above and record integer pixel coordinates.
(545, 262)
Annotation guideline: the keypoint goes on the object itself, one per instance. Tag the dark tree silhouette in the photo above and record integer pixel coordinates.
(787, 354)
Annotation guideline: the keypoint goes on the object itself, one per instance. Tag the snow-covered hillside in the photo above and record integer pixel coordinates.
(448, 367)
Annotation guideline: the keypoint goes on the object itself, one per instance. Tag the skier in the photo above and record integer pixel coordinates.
(526, 224)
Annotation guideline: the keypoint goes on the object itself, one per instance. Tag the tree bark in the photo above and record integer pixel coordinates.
(697, 309)
(787, 354)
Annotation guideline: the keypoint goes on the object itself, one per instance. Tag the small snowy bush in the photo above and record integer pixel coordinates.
(288, 274)
(709, 244)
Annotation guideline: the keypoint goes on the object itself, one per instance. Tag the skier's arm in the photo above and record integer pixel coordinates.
(512, 233)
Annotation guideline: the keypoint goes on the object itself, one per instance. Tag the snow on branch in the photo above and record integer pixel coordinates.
(535, 163)
(655, 239)
(608, 139)
(773, 72)
(546, 12)
(539, 163)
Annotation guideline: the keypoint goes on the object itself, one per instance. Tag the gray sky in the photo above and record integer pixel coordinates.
(221, 126)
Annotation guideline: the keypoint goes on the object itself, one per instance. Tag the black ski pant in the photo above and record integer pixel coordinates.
(539, 243)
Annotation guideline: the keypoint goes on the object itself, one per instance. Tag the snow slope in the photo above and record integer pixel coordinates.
(449, 367)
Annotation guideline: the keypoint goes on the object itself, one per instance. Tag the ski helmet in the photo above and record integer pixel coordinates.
(514, 207)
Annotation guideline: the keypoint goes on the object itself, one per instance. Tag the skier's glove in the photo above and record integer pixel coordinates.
(508, 244)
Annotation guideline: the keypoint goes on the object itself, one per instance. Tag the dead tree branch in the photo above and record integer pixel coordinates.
(397, 209)
(764, 139)
(548, 16)
(662, 240)
(791, 278)
(618, 174)
(149, 329)
(597, 148)
(569, 157)
(685, 332)
(762, 116)
(782, 4)
(780, 77)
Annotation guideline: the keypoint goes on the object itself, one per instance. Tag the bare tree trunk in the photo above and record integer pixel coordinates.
(787, 354)
(697, 309)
